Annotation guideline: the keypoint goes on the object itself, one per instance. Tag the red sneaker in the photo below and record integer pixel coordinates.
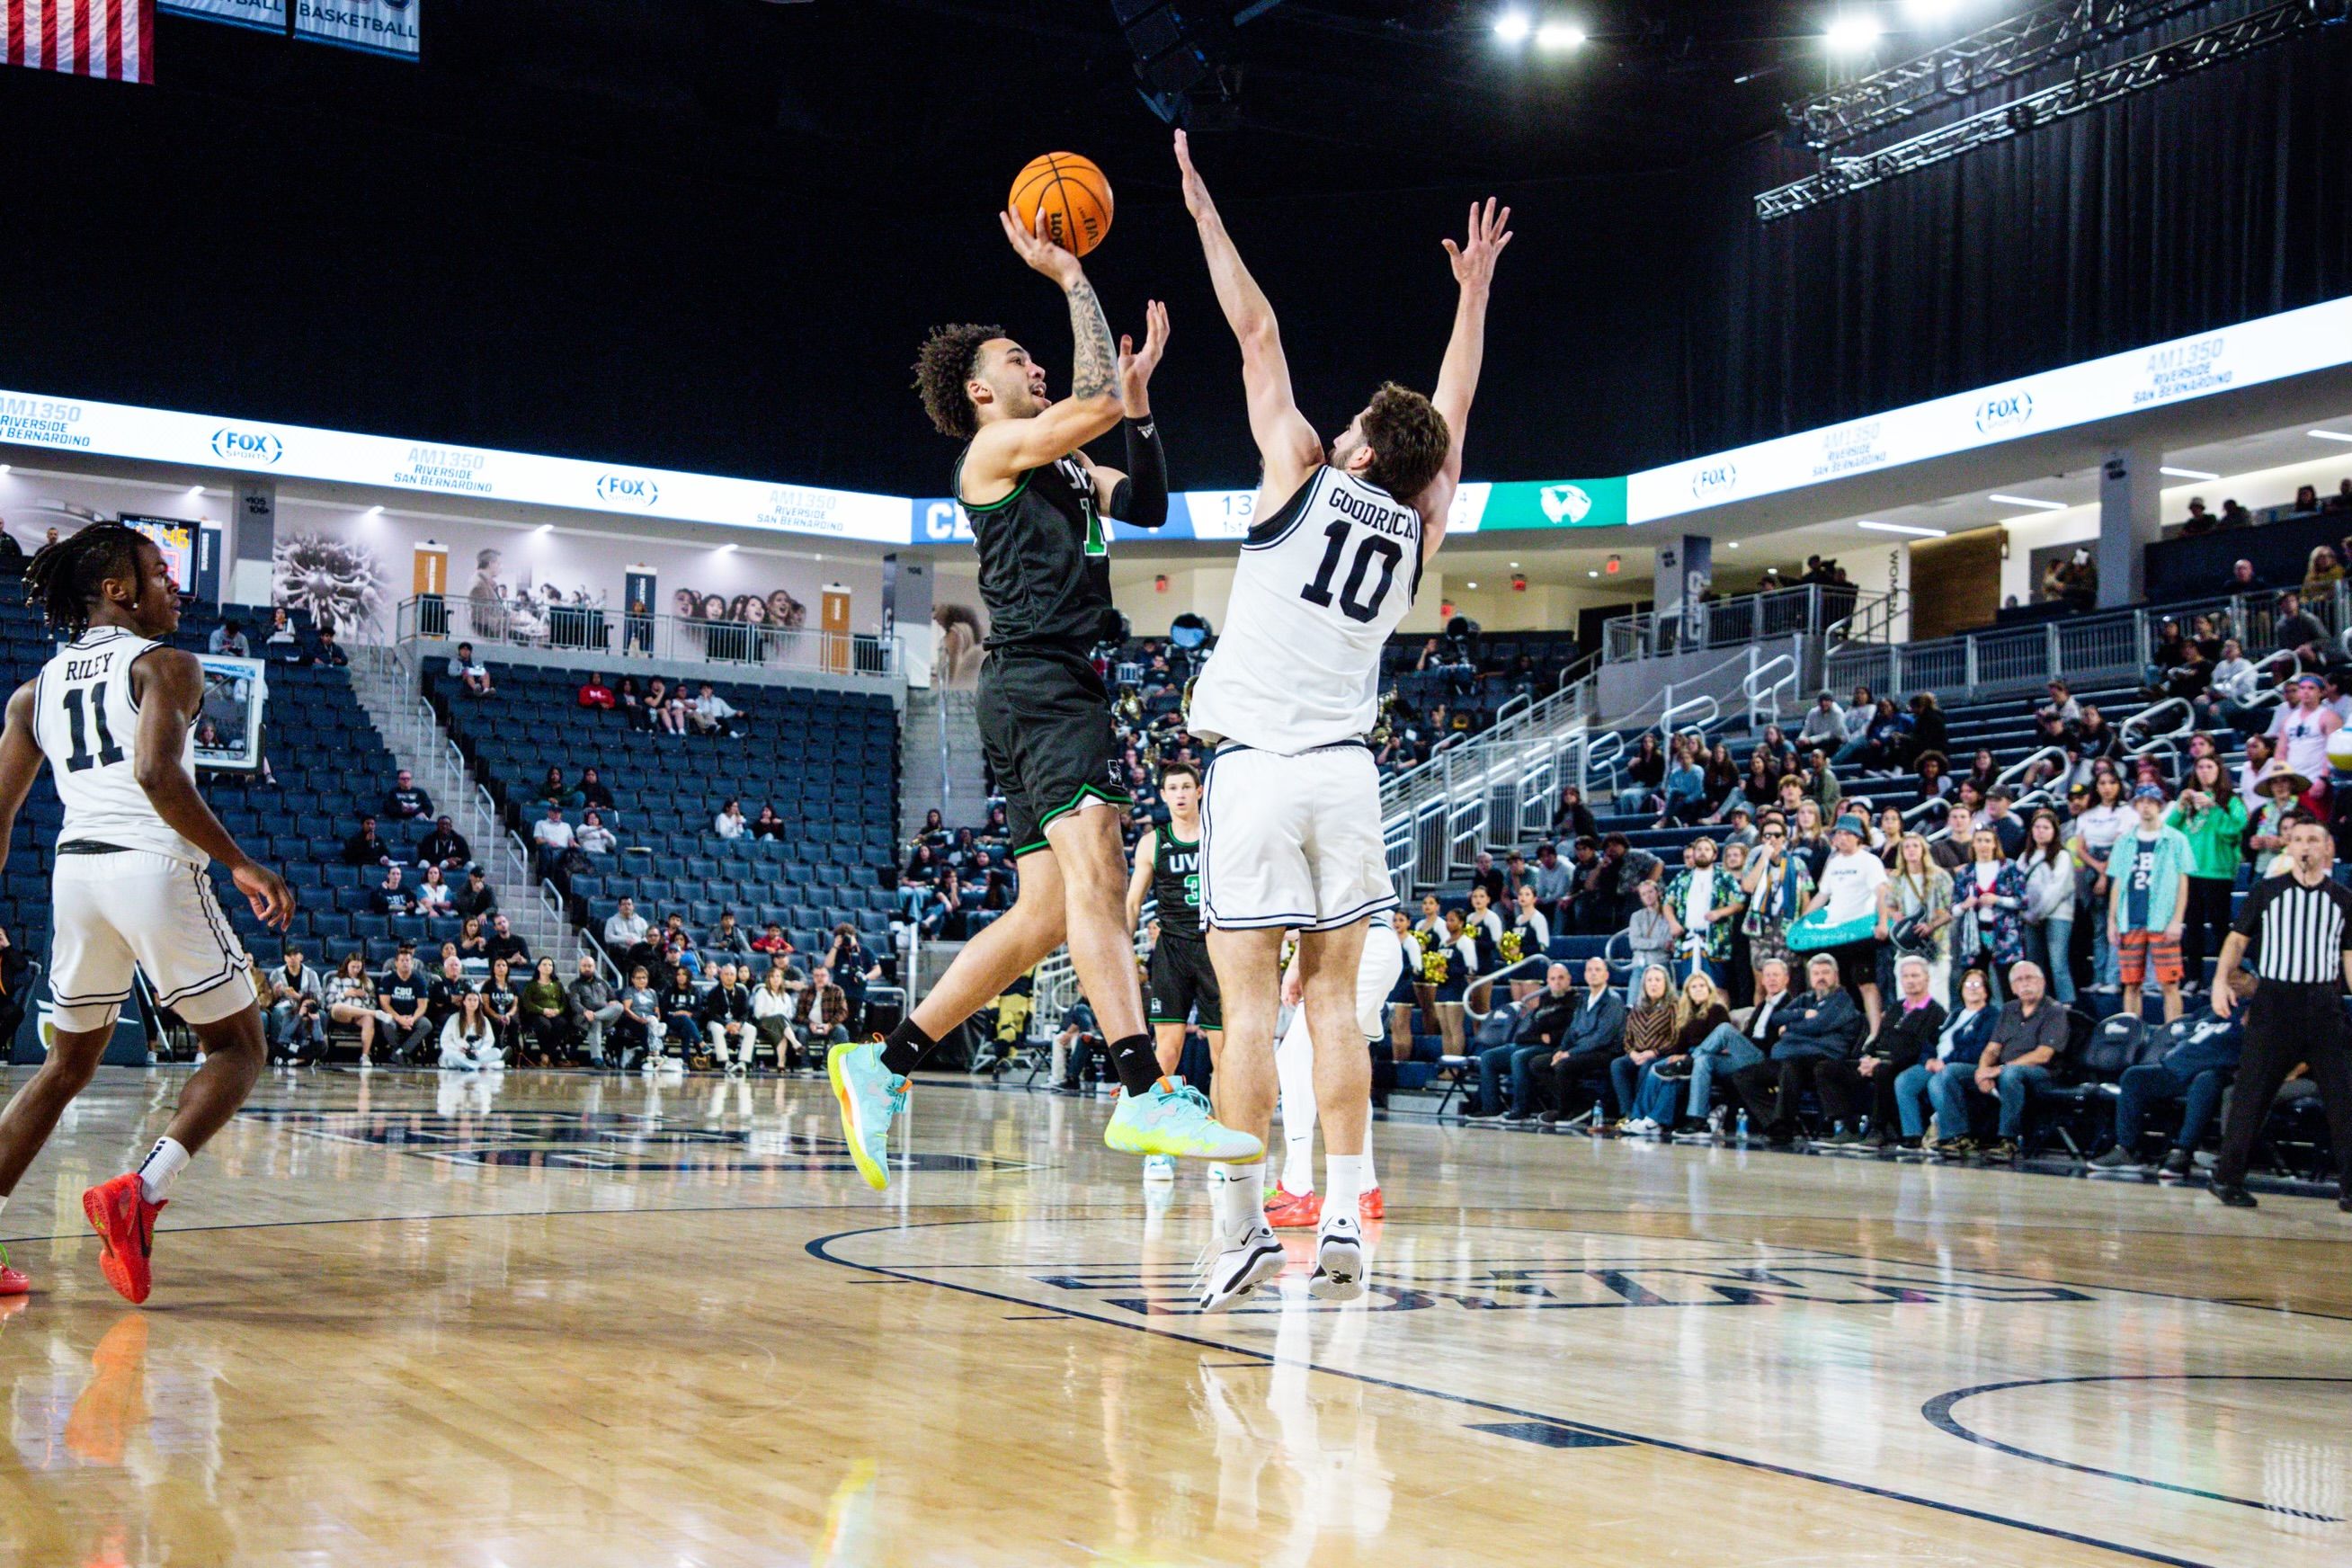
(1287, 1210)
(1369, 1207)
(125, 1222)
(12, 1281)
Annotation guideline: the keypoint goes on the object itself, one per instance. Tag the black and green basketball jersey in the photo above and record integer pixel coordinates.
(1176, 884)
(1045, 558)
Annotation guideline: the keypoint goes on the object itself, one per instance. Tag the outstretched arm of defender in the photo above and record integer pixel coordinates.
(1465, 352)
(1009, 446)
(20, 762)
(1286, 440)
(169, 686)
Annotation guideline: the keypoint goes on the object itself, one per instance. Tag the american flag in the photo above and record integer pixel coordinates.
(113, 39)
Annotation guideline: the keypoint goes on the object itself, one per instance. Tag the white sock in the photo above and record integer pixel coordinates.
(1239, 1200)
(162, 1168)
(1343, 1183)
(1293, 1063)
(1371, 1177)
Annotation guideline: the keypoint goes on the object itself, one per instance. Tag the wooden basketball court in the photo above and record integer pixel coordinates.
(565, 1322)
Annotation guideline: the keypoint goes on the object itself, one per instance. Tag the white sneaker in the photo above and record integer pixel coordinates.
(1339, 1260)
(1235, 1272)
(1159, 1168)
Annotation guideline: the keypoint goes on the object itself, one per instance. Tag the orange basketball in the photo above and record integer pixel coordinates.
(1074, 195)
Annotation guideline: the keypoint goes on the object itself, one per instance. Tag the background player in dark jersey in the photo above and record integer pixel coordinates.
(1036, 505)
(1183, 983)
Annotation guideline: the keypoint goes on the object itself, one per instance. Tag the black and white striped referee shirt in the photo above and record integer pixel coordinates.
(2300, 933)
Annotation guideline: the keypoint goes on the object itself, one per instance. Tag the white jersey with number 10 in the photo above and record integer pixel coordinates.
(85, 720)
(1320, 586)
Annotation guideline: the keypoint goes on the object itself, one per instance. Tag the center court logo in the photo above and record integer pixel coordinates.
(613, 488)
(1565, 503)
(247, 446)
(2009, 411)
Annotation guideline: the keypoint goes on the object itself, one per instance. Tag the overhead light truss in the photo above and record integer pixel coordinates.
(1842, 176)
(2008, 50)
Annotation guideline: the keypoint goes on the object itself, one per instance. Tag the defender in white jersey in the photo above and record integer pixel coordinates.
(1291, 819)
(113, 714)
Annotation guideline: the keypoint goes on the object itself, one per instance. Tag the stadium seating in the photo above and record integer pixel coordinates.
(330, 765)
(828, 762)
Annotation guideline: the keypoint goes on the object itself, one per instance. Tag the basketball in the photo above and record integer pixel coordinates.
(1074, 195)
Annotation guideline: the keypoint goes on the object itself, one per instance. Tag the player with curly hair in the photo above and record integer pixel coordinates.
(1037, 504)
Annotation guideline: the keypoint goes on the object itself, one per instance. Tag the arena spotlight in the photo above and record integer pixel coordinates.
(2187, 474)
(1559, 37)
(2333, 435)
(1906, 528)
(1513, 27)
(1852, 33)
(2027, 500)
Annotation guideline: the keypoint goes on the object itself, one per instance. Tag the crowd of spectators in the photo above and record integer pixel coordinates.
(1970, 932)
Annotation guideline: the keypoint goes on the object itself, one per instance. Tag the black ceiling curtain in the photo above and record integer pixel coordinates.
(2222, 197)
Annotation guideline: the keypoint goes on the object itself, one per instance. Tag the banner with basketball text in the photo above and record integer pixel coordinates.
(112, 40)
(379, 26)
(267, 15)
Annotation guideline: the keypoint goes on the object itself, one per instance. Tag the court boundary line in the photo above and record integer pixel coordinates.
(816, 1248)
(1938, 1415)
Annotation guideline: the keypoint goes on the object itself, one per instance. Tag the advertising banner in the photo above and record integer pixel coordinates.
(268, 16)
(379, 26)
(2293, 343)
(247, 446)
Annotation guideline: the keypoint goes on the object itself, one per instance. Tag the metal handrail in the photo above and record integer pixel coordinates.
(598, 631)
(2019, 769)
(1544, 959)
(2153, 743)
(1755, 694)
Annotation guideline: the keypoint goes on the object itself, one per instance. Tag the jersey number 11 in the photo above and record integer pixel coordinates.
(109, 753)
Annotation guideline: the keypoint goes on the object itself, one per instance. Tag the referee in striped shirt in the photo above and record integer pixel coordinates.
(2299, 924)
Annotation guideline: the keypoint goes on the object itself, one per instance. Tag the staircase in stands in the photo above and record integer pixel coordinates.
(386, 686)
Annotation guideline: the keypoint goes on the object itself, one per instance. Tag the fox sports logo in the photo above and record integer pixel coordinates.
(247, 446)
(2007, 412)
(613, 488)
(1715, 479)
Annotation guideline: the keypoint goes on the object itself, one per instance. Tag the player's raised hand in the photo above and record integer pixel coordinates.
(1036, 247)
(1136, 365)
(266, 891)
(1196, 189)
(1473, 259)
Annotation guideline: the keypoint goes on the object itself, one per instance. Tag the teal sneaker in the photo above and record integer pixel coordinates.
(1178, 1122)
(871, 1097)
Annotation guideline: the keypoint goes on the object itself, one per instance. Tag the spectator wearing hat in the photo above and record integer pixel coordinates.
(1847, 892)
(2299, 735)
(2278, 799)
(2147, 902)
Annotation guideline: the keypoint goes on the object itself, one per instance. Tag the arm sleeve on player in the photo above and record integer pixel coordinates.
(1140, 500)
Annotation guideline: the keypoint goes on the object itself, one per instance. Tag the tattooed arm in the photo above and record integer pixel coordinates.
(1005, 449)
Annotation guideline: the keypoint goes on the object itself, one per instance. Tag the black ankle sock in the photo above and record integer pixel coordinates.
(904, 1048)
(1138, 1064)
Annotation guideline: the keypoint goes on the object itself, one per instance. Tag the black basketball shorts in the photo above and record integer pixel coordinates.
(1045, 730)
(1184, 984)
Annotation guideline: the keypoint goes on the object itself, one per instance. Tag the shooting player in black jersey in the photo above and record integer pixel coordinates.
(1036, 505)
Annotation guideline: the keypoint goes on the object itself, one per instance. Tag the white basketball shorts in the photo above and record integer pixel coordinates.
(135, 909)
(1293, 841)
